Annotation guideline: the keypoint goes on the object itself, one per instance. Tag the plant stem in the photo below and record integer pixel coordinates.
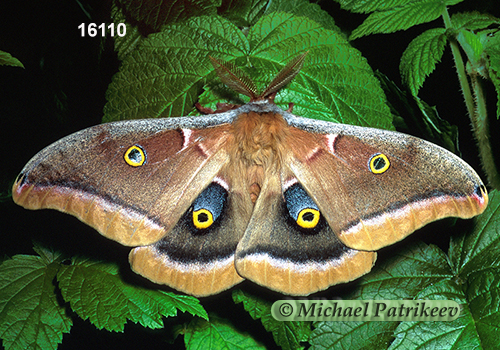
(480, 127)
(476, 109)
(460, 67)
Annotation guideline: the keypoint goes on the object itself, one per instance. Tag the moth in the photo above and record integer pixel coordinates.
(255, 192)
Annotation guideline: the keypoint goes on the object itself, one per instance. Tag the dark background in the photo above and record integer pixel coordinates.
(62, 90)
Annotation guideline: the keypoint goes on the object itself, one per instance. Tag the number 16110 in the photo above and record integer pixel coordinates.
(92, 29)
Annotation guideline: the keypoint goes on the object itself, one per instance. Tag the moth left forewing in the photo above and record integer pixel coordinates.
(91, 174)
(369, 206)
(275, 253)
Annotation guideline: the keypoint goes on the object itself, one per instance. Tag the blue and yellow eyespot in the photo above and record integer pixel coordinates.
(308, 218)
(379, 163)
(209, 206)
(301, 207)
(135, 156)
(202, 219)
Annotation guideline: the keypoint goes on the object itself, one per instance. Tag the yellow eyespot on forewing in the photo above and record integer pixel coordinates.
(379, 163)
(202, 218)
(308, 218)
(135, 156)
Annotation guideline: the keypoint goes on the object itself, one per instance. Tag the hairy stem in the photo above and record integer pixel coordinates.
(460, 67)
(476, 109)
(480, 126)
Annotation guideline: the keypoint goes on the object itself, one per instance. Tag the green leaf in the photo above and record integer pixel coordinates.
(124, 45)
(416, 116)
(155, 16)
(217, 334)
(47, 254)
(335, 84)
(481, 248)
(352, 335)
(438, 130)
(165, 75)
(493, 53)
(472, 44)
(405, 274)
(148, 306)
(459, 334)
(306, 9)
(287, 335)
(483, 292)
(243, 13)
(96, 292)
(473, 20)
(30, 314)
(370, 5)
(475, 257)
(420, 58)
(91, 289)
(409, 14)
(7, 60)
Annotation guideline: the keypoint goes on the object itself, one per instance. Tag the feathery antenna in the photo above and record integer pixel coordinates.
(239, 81)
(235, 78)
(286, 75)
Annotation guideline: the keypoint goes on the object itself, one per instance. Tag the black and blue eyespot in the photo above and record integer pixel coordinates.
(135, 156)
(301, 207)
(208, 207)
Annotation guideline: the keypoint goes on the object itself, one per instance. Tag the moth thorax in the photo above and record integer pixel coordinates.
(259, 138)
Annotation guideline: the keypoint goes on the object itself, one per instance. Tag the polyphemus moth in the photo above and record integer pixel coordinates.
(293, 204)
